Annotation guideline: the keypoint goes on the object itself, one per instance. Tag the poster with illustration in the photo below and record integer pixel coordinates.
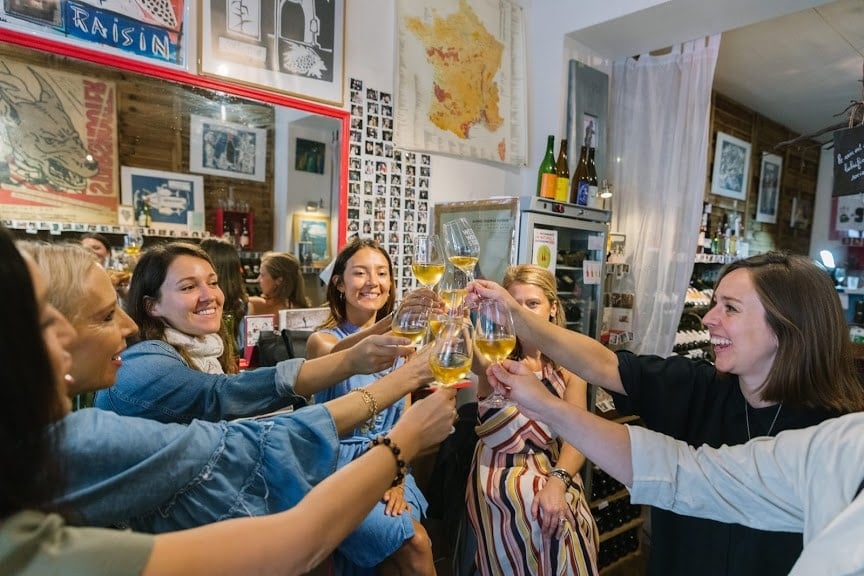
(58, 146)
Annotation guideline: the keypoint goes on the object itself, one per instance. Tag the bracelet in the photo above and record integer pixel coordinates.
(371, 404)
(400, 464)
(562, 475)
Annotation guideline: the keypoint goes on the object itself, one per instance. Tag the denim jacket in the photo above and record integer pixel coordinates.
(156, 477)
(155, 382)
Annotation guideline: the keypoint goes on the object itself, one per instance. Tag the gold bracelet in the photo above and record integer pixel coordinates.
(370, 402)
(401, 467)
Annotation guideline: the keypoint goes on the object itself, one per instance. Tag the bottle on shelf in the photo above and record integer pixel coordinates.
(144, 216)
(562, 170)
(244, 235)
(715, 242)
(227, 232)
(593, 191)
(547, 178)
(579, 183)
(703, 231)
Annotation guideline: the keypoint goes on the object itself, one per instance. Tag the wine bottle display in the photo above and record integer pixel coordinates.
(562, 184)
(547, 178)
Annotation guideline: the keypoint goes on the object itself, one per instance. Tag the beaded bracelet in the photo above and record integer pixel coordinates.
(371, 405)
(400, 464)
(562, 475)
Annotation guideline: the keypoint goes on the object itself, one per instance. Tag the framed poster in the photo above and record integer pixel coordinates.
(227, 149)
(176, 200)
(494, 224)
(313, 229)
(294, 47)
(309, 156)
(731, 167)
(769, 188)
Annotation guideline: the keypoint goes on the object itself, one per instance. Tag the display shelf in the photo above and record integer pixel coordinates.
(61, 228)
(621, 562)
(621, 529)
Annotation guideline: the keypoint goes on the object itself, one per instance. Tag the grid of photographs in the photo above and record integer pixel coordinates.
(388, 188)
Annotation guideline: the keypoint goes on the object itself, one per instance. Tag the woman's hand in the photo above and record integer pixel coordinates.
(488, 290)
(394, 500)
(516, 381)
(428, 421)
(377, 352)
(550, 506)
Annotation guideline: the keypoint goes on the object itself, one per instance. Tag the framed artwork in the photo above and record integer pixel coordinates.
(309, 156)
(255, 325)
(769, 188)
(731, 167)
(313, 229)
(494, 224)
(176, 200)
(294, 47)
(227, 149)
(802, 211)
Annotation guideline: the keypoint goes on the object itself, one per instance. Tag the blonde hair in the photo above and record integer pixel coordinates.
(532, 275)
(67, 267)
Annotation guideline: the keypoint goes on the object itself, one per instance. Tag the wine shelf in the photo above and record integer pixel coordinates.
(621, 562)
(621, 529)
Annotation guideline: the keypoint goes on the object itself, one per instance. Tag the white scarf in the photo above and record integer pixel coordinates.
(203, 350)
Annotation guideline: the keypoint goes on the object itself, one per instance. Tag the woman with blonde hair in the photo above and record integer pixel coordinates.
(525, 497)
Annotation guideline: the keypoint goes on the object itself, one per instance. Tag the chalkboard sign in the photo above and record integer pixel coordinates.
(849, 161)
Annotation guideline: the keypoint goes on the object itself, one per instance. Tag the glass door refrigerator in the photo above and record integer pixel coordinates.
(571, 240)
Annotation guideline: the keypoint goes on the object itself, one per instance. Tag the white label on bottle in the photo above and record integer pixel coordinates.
(593, 198)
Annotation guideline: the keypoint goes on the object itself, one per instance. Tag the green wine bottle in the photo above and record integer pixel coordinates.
(547, 178)
(562, 186)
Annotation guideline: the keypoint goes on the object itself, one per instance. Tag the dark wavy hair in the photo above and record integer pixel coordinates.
(147, 279)
(814, 364)
(30, 475)
(335, 299)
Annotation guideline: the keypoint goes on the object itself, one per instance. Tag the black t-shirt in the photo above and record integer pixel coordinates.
(691, 401)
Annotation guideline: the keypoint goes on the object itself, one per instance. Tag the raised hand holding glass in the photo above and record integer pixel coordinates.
(495, 339)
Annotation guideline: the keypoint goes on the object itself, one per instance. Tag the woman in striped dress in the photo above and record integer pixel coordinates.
(526, 502)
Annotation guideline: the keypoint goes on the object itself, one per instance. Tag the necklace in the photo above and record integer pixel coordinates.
(747, 419)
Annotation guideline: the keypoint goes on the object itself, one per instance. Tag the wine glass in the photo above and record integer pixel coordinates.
(463, 249)
(428, 262)
(452, 288)
(411, 320)
(495, 339)
(132, 241)
(452, 351)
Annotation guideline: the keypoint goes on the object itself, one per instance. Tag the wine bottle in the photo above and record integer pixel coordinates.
(579, 183)
(562, 184)
(547, 178)
(703, 230)
(145, 218)
(593, 192)
(244, 235)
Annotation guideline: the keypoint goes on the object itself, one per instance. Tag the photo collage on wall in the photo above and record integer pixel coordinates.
(388, 188)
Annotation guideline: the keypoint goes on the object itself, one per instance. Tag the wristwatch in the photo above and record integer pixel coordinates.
(562, 475)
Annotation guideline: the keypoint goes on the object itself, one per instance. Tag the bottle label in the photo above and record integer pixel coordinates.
(548, 186)
(582, 193)
(593, 197)
(562, 189)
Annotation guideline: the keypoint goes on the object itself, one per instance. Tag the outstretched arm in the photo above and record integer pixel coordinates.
(295, 541)
(580, 354)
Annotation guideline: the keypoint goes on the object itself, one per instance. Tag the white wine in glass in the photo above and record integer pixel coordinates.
(495, 338)
(428, 262)
(463, 249)
(453, 288)
(452, 352)
(411, 321)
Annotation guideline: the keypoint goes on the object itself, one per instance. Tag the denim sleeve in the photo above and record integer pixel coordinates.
(157, 477)
(155, 382)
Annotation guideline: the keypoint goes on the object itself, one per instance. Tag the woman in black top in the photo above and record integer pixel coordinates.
(782, 361)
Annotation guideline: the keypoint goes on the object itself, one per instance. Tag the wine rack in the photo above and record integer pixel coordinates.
(251, 263)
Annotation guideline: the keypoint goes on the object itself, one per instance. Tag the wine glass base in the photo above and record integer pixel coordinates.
(495, 401)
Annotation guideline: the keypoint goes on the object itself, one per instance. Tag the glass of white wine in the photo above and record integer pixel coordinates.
(452, 351)
(452, 288)
(411, 321)
(428, 262)
(463, 249)
(495, 339)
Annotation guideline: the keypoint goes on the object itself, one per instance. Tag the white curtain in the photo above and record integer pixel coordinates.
(659, 123)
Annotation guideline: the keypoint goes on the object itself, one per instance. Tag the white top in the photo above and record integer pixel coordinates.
(800, 481)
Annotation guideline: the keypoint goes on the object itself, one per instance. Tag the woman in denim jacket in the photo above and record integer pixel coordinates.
(35, 539)
(159, 477)
(175, 374)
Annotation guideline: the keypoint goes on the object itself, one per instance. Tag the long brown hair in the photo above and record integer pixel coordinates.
(336, 300)
(814, 365)
(286, 267)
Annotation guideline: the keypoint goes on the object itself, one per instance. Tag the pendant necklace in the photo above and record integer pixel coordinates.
(747, 419)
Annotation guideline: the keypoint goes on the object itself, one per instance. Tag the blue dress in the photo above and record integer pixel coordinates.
(378, 536)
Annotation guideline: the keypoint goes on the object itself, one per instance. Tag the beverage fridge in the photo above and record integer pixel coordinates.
(571, 240)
